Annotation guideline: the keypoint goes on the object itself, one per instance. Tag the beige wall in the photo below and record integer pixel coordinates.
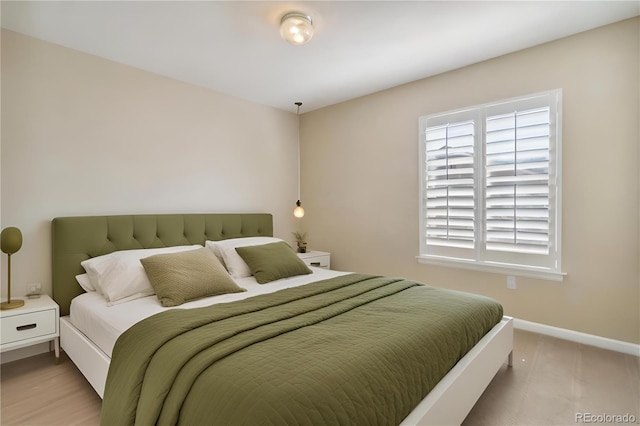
(360, 179)
(82, 136)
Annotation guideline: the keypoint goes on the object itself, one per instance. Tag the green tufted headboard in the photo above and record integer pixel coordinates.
(79, 238)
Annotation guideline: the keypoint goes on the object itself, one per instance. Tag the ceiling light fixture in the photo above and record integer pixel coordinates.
(296, 28)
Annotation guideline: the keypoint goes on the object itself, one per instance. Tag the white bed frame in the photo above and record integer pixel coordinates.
(447, 404)
(78, 238)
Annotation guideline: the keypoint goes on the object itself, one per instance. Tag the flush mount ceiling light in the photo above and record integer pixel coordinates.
(296, 28)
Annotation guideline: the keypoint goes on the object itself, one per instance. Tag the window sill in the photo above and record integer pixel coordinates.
(497, 268)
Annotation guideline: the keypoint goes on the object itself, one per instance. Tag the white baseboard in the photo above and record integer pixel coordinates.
(578, 337)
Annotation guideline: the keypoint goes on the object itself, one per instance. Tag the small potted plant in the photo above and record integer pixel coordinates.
(301, 241)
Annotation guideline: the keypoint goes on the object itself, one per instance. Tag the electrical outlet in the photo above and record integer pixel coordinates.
(511, 282)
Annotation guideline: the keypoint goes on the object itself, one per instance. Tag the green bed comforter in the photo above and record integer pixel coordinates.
(355, 349)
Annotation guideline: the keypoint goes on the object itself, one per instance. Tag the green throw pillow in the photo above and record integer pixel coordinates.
(270, 262)
(180, 277)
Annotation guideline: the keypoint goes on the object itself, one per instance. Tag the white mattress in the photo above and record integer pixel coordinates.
(103, 324)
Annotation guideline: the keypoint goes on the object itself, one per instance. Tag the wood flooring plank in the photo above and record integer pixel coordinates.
(36, 391)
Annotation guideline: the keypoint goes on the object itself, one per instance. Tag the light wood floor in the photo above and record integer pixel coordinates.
(551, 381)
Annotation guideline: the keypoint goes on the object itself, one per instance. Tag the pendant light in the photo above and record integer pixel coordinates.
(298, 211)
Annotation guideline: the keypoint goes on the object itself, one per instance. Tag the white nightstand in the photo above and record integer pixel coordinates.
(35, 322)
(319, 259)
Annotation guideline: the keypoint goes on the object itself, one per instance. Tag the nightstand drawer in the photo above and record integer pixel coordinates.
(318, 262)
(319, 259)
(27, 326)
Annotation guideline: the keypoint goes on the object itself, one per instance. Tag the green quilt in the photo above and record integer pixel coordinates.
(355, 349)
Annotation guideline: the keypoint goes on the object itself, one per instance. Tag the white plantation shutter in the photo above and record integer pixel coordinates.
(450, 204)
(517, 181)
(490, 183)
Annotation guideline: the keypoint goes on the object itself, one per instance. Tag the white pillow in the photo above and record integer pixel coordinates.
(120, 274)
(85, 282)
(226, 251)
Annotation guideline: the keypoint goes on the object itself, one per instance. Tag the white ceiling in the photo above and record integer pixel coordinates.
(359, 47)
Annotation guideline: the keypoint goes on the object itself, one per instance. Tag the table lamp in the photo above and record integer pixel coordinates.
(10, 242)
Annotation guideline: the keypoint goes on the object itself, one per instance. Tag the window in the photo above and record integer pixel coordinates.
(490, 186)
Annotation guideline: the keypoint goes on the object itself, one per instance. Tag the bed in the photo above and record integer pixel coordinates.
(77, 239)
